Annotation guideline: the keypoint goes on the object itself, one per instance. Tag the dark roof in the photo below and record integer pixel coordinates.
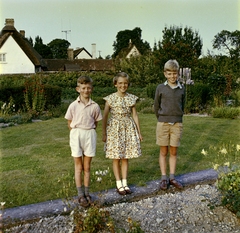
(83, 64)
(23, 43)
(71, 67)
(77, 51)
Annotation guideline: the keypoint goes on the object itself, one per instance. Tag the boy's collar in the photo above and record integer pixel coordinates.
(178, 84)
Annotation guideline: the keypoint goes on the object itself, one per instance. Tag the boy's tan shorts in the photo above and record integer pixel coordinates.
(168, 134)
(83, 142)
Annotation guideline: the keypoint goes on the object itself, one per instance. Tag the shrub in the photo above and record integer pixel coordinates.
(228, 169)
(144, 103)
(226, 112)
(197, 98)
(229, 186)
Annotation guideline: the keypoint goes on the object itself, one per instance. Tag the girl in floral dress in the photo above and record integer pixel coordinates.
(121, 132)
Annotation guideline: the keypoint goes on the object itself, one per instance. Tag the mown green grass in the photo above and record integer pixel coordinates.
(36, 164)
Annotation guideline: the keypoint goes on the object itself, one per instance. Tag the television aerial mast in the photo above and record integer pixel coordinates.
(66, 32)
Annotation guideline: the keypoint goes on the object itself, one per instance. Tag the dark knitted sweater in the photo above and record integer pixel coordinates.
(169, 103)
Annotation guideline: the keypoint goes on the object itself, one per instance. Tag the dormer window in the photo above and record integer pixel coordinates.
(2, 57)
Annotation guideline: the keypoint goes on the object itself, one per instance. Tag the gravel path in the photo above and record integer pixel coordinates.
(184, 212)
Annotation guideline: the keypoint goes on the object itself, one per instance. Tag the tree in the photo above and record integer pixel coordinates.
(123, 38)
(59, 48)
(182, 44)
(30, 40)
(228, 41)
(42, 49)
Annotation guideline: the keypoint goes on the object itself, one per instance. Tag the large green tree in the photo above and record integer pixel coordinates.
(123, 38)
(228, 42)
(59, 48)
(182, 44)
(42, 49)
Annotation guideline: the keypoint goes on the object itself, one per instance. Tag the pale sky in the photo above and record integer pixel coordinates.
(99, 21)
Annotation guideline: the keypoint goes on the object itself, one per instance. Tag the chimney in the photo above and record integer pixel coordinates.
(70, 54)
(93, 51)
(9, 22)
(22, 32)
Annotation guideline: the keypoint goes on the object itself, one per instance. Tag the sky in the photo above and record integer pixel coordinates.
(84, 22)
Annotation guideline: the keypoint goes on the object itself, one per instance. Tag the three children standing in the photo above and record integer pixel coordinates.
(121, 131)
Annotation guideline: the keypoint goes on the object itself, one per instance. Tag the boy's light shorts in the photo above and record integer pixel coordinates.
(83, 142)
(168, 134)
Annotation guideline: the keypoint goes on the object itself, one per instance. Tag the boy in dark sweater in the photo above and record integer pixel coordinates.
(168, 107)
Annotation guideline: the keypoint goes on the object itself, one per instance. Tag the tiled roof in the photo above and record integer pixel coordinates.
(83, 64)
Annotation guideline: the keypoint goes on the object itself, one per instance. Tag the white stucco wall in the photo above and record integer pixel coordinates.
(83, 55)
(134, 52)
(16, 60)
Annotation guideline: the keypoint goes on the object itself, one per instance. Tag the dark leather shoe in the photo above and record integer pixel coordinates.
(176, 184)
(83, 202)
(89, 199)
(127, 190)
(121, 191)
(163, 184)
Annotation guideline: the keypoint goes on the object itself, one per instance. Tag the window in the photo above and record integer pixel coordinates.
(2, 57)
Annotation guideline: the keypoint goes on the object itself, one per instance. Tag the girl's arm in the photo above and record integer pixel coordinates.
(104, 121)
(136, 120)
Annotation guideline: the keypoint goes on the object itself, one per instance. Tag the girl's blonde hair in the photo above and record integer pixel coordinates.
(118, 75)
(171, 65)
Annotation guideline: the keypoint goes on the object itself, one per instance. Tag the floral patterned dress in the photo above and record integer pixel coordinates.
(122, 136)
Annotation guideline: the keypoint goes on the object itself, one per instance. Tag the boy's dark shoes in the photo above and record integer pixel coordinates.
(121, 191)
(163, 184)
(176, 184)
(89, 199)
(127, 190)
(83, 201)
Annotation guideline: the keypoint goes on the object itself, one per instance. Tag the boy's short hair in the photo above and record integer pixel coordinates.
(171, 65)
(84, 80)
(118, 75)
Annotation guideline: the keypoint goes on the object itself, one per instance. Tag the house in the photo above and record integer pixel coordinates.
(130, 51)
(17, 55)
(81, 53)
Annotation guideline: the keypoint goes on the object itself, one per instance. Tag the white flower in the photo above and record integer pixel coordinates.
(99, 179)
(3, 203)
(227, 164)
(65, 209)
(238, 147)
(97, 173)
(215, 167)
(223, 151)
(204, 152)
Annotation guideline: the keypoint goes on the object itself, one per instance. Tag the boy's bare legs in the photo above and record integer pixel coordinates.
(82, 164)
(86, 167)
(173, 159)
(172, 167)
(78, 167)
(163, 166)
(163, 159)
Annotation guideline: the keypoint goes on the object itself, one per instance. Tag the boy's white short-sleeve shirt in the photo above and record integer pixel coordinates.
(83, 116)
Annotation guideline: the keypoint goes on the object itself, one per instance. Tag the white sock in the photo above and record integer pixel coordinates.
(119, 184)
(124, 182)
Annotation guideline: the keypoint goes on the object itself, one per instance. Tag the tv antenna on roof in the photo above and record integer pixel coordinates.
(66, 32)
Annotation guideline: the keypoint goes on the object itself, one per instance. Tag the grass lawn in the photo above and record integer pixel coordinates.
(36, 164)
